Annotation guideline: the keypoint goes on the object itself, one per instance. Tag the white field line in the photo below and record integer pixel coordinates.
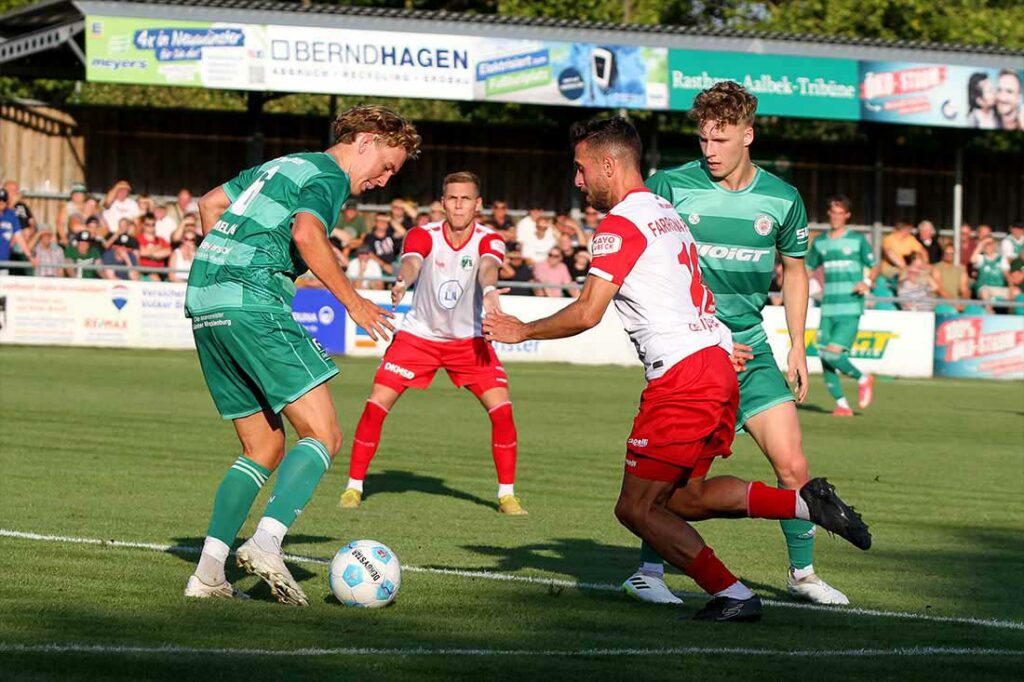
(506, 577)
(171, 649)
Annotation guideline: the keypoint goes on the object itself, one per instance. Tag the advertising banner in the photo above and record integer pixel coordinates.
(941, 95)
(94, 312)
(980, 346)
(890, 342)
(278, 58)
(579, 74)
(784, 86)
(323, 317)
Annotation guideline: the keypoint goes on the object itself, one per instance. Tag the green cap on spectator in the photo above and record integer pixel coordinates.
(78, 187)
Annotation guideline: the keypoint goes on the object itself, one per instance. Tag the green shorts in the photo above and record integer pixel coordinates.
(762, 385)
(838, 330)
(253, 361)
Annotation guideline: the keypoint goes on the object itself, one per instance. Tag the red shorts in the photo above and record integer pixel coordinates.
(687, 418)
(412, 362)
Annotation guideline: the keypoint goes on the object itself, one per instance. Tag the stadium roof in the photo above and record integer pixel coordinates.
(43, 40)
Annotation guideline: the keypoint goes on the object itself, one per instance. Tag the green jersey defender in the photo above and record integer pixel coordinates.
(242, 284)
(739, 234)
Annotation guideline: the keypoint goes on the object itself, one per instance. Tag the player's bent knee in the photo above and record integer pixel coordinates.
(793, 472)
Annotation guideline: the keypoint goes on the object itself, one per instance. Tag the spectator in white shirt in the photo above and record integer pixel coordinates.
(1013, 243)
(165, 224)
(536, 244)
(364, 266)
(528, 225)
(117, 204)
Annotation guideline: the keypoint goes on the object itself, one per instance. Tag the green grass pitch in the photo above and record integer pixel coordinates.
(125, 445)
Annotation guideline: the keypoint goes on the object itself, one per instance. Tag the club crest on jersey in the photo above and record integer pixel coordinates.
(466, 262)
(693, 219)
(605, 244)
(763, 225)
(847, 250)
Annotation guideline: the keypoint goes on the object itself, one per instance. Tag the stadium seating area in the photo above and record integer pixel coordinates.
(119, 228)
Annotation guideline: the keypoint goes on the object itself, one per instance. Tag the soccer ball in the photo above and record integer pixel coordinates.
(365, 573)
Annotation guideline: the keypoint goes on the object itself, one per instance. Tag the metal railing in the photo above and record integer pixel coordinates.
(921, 304)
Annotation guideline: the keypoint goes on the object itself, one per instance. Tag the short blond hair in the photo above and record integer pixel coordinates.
(461, 177)
(393, 130)
(724, 103)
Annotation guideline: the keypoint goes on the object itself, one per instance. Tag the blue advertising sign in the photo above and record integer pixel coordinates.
(979, 346)
(323, 316)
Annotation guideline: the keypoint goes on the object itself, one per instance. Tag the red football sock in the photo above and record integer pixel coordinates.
(503, 442)
(366, 439)
(765, 502)
(709, 572)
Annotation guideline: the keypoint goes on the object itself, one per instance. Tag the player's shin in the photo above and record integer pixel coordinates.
(298, 476)
(504, 445)
(831, 376)
(231, 504)
(765, 502)
(844, 365)
(365, 442)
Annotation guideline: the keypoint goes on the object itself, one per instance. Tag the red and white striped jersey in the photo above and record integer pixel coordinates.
(447, 302)
(645, 247)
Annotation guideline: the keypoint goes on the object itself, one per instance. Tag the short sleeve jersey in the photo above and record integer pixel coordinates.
(9, 225)
(447, 303)
(645, 248)
(992, 271)
(248, 260)
(844, 259)
(738, 235)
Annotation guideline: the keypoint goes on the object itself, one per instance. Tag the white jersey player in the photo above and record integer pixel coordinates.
(645, 260)
(454, 264)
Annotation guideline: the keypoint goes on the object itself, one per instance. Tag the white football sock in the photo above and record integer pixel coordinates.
(736, 591)
(864, 378)
(270, 534)
(802, 512)
(506, 489)
(801, 573)
(654, 570)
(355, 484)
(841, 402)
(211, 562)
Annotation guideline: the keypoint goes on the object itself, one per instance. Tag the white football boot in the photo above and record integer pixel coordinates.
(815, 590)
(270, 566)
(197, 589)
(649, 588)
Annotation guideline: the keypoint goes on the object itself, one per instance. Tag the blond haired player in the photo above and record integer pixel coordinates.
(454, 264)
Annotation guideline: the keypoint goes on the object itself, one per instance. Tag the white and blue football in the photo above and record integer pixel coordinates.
(365, 573)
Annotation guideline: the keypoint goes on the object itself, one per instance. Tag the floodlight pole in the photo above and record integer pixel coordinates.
(876, 229)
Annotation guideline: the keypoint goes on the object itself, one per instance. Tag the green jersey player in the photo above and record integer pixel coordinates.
(263, 229)
(848, 263)
(742, 216)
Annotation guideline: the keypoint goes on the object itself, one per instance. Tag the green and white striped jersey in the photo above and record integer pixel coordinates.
(248, 259)
(844, 259)
(739, 234)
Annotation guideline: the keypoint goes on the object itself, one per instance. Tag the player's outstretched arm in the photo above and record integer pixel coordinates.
(580, 315)
(794, 300)
(487, 276)
(211, 206)
(310, 237)
(408, 273)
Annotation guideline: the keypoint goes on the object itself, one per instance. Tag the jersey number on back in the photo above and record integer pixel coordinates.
(245, 198)
(703, 299)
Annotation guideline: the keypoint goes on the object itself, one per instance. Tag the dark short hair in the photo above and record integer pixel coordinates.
(461, 177)
(615, 135)
(840, 199)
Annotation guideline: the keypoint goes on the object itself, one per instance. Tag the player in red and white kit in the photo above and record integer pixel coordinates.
(645, 259)
(454, 264)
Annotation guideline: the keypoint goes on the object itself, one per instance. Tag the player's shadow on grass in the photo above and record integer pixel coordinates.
(396, 481)
(809, 407)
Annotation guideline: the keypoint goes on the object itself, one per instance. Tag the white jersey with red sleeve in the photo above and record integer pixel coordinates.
(447, 303)
(644, 247)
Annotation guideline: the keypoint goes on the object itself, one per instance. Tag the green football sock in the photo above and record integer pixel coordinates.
(648, 555)
(299, 474)
(799, 542)
(828, 371)
(234, 497)
(844, 365)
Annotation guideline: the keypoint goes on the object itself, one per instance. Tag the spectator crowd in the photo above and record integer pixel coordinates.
(548, 251)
